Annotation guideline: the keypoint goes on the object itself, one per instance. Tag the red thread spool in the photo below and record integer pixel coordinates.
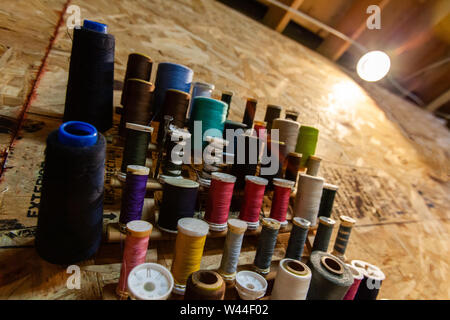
(260, 129)
(219, 200)
(357, 278)
(253, 199)
(280, 200)
(136, 244)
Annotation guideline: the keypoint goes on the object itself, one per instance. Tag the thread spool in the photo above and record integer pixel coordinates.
(357, 278)
(307, 143)
(136, 104)
(260, 129)
(340, 244)
(136, 245)
(204, 285)
(331, 278)
(219, 200)
(136, 146)
(139, 66)
(173, 159)
(293, 166)
(185, 192)
(250, 285)
(232, 249)
(292, 281)
(280, 200)
(253, 200)
(272, 112)
(175, 104)
(170, 76)
(371, 283)
(226, 97)
(189, 246)
(288, 132)
(313, 165)
(323, 235)
(89, 95)
(249, 113)
(133, 194)
(266, 245)
(70, 220)
(245, 164)
(297, 239)
(200, 89)
(327, 199)
(292, 115)
(233, 125)
(212, 114)
(150, 281)
(272, 160)
(307, 199)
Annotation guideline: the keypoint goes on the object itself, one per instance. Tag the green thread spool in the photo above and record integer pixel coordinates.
(212, 113)
(323, 235)
(136, 145)
(306, 143)
(340, 244)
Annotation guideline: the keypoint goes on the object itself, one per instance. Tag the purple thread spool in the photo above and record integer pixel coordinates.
(133, 194)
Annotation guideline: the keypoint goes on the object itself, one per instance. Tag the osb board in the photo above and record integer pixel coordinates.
(356, 130)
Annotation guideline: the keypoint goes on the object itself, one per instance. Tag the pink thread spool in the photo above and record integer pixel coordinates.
(357, 278)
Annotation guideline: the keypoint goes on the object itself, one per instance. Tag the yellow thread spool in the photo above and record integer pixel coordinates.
(189, 246)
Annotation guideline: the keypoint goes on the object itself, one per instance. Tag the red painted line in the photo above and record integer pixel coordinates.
(32, 95)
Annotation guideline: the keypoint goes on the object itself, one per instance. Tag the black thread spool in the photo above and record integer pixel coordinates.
(89, 95)
(176, 103)
(327, 199)
(371, 283)
(272, 112)
(137, 104)
(179, 199)
(297, 238)
(294, 160)
(250, 111)
(345, 229)
(204, 285)
(330, 279)
(292, 114)
(323, 235)
(139, 66)
(245, 164)
(270, 156)
(226, 97)
(136, 146)
(266, 245)
(70, 219)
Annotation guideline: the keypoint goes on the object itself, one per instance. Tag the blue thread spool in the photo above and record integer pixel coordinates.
(212, 113)
(77, 134)
(200, 89)
(170, 76)
(95, 26)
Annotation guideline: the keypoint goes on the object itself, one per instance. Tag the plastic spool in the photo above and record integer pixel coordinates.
(250, 285)
(292, 281)
(343, 236)
(205, 285)
(266, 245)
(286, 184)
(297, 238)
(233, 241)
(150, 281)
(327, 199)
(253, 224)
(307, 142)
(200, 89)
(307, 200)
(358, 276)
(272, 112)
(313, 165)
(188, 229)
(291, 114)
(323, 234)
(371, 283)
(288, 132)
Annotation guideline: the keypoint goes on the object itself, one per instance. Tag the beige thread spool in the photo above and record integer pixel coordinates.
(313, 165)
(307, 200)
(288, 132)
(292, 281)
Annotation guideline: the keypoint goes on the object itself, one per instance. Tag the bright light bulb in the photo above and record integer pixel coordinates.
(373, 66)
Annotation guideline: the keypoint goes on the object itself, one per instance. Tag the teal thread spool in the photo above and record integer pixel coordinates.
(212, 113)
(323, 235)
(306, 143)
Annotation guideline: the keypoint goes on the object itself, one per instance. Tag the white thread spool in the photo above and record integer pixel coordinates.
(250, 285)
(307, 200)
(150, 281)
(288, 132)
(292, 281)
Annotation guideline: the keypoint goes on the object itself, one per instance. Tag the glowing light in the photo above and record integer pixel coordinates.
(373, 66)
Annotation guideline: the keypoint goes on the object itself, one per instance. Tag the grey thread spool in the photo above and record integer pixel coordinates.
(232, 249)
(297, 239)
(288, 132)
(345, 228)
(323, 235)
(331, 278)
(266, 245)
(327, 199)
(307, 200)
(313, 165)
